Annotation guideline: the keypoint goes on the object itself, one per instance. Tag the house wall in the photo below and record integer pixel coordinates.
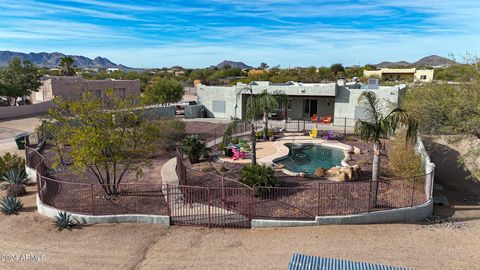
(74, 87)
(428, 73)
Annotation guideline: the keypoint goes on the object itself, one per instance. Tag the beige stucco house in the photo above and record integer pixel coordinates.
(73, 87)
(401, 74)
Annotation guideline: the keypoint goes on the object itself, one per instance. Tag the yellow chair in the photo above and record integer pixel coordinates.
(313, 133)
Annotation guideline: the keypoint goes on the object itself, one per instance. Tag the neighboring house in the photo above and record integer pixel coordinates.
(110, 70)
(73, 87)
(401, 74)
(339, 99)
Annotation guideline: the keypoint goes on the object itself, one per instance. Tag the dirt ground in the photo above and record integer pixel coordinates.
(142, 246)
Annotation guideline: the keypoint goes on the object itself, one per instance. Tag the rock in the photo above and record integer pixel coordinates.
(333, 172)
(320, 172)
(342, 177)
(348, 171)
(357, 151)
(351, 150)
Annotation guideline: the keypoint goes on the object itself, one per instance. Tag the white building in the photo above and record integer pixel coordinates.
(304, 100)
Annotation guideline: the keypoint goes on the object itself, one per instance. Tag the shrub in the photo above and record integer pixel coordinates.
(258, 176)
(259, 134)
(16, 179)
(9, 161)
(194, 148)
(10, 205)
(403, 160)
(171, 131)
(63, 221)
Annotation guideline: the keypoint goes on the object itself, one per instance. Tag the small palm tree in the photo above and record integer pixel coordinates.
(381, 126)
(66, 64)
(194, 148)
(16, 179)
(258, 105)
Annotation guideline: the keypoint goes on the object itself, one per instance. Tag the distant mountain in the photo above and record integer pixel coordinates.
(434, 61)
(51, 60)
(233, 65)
(431, 61)
(386, 64)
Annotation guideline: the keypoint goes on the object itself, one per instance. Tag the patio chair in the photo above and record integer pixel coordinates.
(313, 133)
(237, 154)
(330, 135)
(314, 118)
(327, 119)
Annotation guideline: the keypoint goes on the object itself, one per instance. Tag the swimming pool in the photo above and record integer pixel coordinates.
(309, 157)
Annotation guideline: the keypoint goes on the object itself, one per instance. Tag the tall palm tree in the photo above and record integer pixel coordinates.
(381, 126)
(66, 64)
(258, 105)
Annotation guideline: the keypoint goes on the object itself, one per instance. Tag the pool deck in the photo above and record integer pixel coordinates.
(267, 152)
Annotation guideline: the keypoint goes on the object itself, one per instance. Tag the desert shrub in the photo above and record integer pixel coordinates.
(63, 221)
(171, 131)
(403, 160)
(194, 148)
(258, 176)
(9, 161)
(10, 205)
(16, 179)
(259, 134)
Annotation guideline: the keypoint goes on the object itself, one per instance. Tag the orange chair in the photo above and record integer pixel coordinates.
(327, 120)
(314, 118)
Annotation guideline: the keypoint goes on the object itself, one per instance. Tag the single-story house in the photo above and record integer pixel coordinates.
(303, 100)
(401, 74)
(73, 86)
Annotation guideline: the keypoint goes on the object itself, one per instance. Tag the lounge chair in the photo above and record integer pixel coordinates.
(237, 154)
(313, 133)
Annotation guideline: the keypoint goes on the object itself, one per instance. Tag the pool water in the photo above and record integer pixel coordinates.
(309, 157)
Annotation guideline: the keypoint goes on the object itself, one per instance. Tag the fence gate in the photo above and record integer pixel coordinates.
(210, 206)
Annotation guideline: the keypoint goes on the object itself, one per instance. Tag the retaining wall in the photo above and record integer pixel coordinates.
(52, 212)
(25, 110)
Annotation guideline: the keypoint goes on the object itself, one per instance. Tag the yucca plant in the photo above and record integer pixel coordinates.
(16, 179)
(63, 221)
(10, 205)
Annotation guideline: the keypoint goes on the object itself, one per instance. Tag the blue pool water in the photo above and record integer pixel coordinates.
(309, 157)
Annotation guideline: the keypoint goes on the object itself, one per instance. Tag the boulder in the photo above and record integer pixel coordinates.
(333, 172)
(320, 172)
(342, 177)
(348, 171)
(351, 150)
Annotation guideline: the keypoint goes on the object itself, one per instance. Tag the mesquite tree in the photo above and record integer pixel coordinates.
(107, 136)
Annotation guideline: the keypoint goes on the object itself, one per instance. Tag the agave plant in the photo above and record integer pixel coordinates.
(63, 221)
(16, 179)
(10, 205)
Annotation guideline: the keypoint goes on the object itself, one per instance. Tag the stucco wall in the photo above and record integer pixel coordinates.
(25, 110)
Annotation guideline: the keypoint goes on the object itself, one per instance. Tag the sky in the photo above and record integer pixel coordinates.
(200, 33)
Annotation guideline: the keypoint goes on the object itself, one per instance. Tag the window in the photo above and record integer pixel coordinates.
(218, 106)
(423, 77)
(289, 104)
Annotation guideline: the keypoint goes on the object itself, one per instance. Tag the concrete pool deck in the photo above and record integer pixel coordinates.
(267, 152)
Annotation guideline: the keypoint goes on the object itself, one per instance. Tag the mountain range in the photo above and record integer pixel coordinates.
(52, 60)
(431, 61)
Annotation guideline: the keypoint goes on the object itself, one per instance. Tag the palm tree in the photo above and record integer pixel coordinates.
(381, 126)
(66, 64)
(258, 105)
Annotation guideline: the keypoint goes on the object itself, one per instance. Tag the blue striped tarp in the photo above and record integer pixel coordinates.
(304, 262)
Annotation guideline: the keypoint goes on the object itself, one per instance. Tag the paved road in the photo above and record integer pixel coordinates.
(10, 128)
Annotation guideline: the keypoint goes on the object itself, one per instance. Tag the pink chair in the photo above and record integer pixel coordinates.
(237, 154)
